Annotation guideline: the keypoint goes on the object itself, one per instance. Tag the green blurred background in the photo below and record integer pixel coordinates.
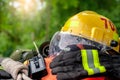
(25, 21)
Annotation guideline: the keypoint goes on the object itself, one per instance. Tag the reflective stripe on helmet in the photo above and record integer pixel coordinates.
(90, 61)
(116, 37)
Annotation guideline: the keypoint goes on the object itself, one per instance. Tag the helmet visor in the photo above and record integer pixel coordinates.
(61, 40)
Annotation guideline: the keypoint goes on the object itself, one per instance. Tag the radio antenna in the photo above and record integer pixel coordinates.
(37, 49)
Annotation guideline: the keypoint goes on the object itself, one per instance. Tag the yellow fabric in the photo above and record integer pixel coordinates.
(97, 66)
(96, 61)
(85, 62)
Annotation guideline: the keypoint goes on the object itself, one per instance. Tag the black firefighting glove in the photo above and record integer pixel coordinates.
(68, 65)
(116, 66)
(113, 61)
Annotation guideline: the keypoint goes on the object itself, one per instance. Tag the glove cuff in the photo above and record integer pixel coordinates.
(12, 67)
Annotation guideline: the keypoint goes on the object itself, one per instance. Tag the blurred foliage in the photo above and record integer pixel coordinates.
(19, 27)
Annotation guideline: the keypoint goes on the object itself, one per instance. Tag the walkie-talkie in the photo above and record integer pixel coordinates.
(37, 68)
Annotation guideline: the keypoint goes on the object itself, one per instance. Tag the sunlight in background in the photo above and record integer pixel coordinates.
(28, 6)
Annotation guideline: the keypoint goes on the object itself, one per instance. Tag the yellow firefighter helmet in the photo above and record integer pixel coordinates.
(93, 26)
